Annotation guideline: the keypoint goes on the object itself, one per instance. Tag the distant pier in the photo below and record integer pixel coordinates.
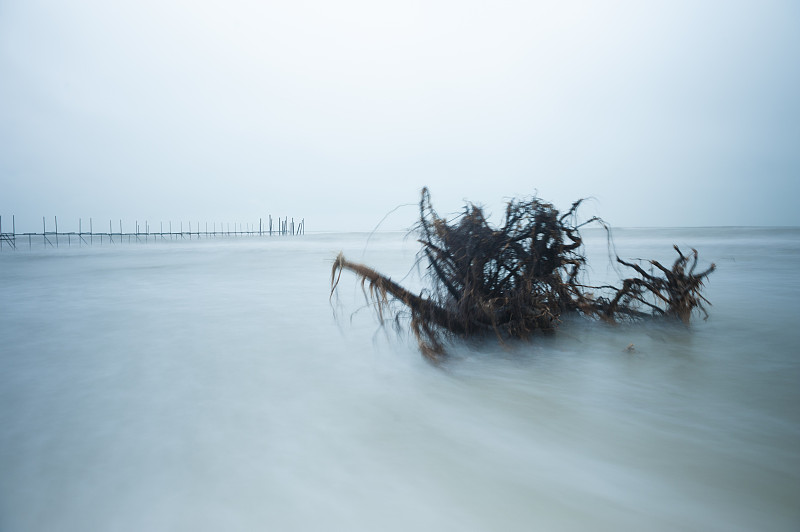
(145, 232)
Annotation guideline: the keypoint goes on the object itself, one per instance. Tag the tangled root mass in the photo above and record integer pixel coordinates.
(520, 278)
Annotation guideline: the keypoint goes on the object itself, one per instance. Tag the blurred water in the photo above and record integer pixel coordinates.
(211, 385)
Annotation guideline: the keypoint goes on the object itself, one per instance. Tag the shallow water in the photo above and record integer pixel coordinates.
(212, 385)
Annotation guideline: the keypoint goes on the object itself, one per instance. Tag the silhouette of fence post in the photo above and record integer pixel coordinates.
(281, 226)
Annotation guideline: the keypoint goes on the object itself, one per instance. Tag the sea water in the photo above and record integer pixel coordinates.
(215, 385)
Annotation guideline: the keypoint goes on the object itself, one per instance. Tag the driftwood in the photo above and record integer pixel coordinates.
(519, 278)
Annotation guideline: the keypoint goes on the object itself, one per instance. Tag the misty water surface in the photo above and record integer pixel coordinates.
(212, 385)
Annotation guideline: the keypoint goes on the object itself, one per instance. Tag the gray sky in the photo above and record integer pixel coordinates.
(668, 113)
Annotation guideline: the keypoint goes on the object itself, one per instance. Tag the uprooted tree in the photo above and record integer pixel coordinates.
(519, 278)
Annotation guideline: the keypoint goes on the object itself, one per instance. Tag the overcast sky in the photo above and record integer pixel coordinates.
(668, 113)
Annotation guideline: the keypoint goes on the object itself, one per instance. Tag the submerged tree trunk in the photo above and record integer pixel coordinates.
(519, 278)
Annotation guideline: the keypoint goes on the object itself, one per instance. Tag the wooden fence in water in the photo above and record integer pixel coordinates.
(55, 238)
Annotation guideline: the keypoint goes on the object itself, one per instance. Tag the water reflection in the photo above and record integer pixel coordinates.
(209, 387)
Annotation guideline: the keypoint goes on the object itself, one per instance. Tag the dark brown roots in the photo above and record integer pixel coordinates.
(519, 278)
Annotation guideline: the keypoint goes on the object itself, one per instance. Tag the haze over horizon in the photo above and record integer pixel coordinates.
(665, 113)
